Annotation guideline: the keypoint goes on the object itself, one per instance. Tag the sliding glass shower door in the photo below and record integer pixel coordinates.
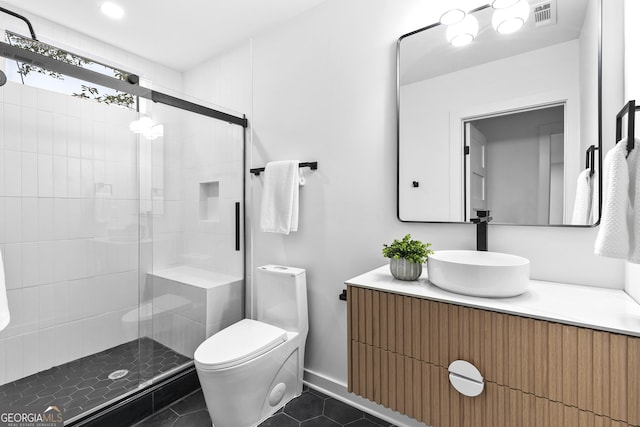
(69, 242)
(191, 222)
(121, 235)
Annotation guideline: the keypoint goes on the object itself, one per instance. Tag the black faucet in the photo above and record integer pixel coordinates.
(482, 222)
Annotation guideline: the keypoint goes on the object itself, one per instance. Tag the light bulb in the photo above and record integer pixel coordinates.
(464, 32)
(510, 19)
(452, 16)
(502, 4)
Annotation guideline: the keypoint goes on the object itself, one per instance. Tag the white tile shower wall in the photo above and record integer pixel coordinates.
(70, 253)
(212, 151)
(224, 80)
(161, 195)
(110, 165)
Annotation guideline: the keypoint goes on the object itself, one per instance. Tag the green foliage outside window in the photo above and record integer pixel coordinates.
(86, 92)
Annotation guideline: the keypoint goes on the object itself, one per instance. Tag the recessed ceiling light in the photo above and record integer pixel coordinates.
(112, 10)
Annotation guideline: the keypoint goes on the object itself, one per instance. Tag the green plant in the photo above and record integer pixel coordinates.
(412, 250)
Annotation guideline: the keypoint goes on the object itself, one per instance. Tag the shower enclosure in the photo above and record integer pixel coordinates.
(121, 229)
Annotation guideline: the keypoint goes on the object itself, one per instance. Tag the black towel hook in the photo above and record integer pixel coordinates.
(591, 159)
(629, 109)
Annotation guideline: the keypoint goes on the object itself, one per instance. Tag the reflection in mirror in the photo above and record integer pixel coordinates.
(503, 123)
(513, 157)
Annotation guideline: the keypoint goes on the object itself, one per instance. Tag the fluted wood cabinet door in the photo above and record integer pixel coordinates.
(564, 375)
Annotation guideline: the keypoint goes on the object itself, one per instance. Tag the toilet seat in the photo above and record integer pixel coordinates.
(238, 343)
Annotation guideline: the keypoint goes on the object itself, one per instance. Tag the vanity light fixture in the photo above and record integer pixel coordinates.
(463, 32)
(112, 10)
(509, 19)
(452, 16)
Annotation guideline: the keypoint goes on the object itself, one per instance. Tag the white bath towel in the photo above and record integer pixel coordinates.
(613, 235)
(280, 197)
(634, 203)
(583, 203)
(4, 304)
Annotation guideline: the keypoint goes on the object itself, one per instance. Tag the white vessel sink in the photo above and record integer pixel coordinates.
(477, 273)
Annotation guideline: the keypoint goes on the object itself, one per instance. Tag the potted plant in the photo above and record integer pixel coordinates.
(407, 257)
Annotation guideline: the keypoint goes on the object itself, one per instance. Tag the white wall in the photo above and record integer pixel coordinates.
(632, 91)
(323, 88)
(588, 79)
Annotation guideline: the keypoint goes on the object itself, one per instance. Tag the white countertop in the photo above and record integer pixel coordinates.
(596, 308)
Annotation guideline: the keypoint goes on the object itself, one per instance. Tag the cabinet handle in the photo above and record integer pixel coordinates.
(237, 226)
(466, 378)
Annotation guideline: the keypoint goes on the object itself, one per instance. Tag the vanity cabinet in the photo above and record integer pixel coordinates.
(537, 373)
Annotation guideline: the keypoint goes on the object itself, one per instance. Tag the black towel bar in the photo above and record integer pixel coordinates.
(312, 165)
(591, 159)
(630, 109)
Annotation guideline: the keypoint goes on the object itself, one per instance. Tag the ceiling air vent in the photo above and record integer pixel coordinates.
(544, 13)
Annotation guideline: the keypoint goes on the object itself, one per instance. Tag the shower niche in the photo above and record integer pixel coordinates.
(210, 201)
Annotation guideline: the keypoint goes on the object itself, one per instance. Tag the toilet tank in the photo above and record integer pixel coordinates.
(281, 296)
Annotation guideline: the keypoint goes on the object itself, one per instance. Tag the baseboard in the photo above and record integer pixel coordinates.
(338, 390)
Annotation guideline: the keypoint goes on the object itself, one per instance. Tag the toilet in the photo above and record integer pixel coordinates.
(252, 368)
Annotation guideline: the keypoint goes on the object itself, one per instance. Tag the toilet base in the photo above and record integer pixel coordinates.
(247, 394)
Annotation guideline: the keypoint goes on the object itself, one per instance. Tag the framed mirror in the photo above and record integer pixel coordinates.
(508, 123)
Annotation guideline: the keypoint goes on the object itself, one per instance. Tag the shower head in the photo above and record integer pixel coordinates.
(3, 78)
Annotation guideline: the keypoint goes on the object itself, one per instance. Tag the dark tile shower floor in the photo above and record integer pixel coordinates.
(84, 384)
(311, 409)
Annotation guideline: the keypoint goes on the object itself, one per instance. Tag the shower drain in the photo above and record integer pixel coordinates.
(118, 374)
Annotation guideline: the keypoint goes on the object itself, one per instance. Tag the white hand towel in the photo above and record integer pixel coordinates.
(613, 235)
(634, 198)
(595, 198)
(280, 197)
(582, 204)
(4, 304)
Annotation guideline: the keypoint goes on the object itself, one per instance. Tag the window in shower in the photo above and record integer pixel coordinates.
(39, 77)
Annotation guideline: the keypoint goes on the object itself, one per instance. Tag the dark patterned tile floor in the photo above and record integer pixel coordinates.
(83, 384)
(310, 409)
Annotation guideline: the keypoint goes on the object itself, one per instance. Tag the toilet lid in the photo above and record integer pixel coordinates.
(242, 341)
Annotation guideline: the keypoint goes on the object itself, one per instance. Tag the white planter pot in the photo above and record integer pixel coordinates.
(402, 269)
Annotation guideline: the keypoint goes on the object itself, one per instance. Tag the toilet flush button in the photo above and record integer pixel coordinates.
(277, 394)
